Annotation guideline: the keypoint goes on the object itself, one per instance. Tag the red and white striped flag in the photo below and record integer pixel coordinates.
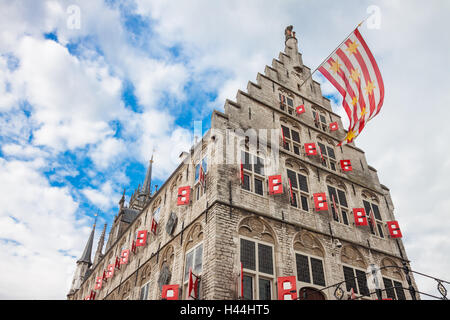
(353, 71)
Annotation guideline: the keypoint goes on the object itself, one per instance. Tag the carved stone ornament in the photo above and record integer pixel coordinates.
(308, 243)
(256, 228)
(350, 255)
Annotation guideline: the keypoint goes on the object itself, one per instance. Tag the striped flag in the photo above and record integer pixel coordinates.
(353, 71)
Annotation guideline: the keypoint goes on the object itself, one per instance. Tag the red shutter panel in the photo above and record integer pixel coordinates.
(154, 225)
(110, 270)
(141, 238)
(92, 295)
(346, 165)
(394, 229)
(334, 126)
(310, 149)
(360, 217)
(183, 195)
(133, 246)
(105, 276)
(193, 285)
(117, 263)
(287, 288)
(275, 185)
(124, 256)
(290, 189)
(98, 283)
(300, 109)
(320, 201)
(170, 292)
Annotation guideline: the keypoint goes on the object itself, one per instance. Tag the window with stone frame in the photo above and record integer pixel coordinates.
(254, 176)
(143, 293)
(320, 121)
(286, 103)
(327, 155)
(372, 206)
(356, 279)
(199, 190)
(337, 196)
(193, 261)
(300, 189)
(393, 289)
(310, 270)
(292, 139)
(257, 260)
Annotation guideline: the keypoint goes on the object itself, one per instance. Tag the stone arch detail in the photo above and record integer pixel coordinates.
(335, 181)
(297, 166)
(369, 195)
(394, 273)
(258, 228)
(145, 274)
(352, 256)
(305, 241)
(167, 257)
(194, 236)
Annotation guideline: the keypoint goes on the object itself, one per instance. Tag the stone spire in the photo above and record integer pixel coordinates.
(86, 256)
(122, 200)
(147, 189)
(83, 263)
(101, 241)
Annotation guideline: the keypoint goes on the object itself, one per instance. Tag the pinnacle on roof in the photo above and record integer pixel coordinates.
(86, 256)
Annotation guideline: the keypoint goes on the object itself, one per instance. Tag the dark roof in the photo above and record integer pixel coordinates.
(128, 215)
(86, 256)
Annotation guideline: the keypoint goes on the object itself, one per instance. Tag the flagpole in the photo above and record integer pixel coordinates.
(310, 76)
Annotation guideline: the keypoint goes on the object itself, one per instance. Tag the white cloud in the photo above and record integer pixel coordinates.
(39, 233)
(104, 197)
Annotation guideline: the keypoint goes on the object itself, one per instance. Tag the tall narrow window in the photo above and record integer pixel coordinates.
(144, 291)
(300, 190)
(340, 213)
(310, 270)
(193, 261)
(291, 141)
(254, 176)
(258, 265)
(370, 206)
(328, 156)
(356, 279)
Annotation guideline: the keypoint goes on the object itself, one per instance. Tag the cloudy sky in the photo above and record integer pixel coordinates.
(84, 103)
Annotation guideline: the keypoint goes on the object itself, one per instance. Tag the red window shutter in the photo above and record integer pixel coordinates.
(154, 226)
(98, 283)
(105, 276)
(242, 173)
(110, 270)
(394, 229)
(287, 288)
(92, 295)
(141, 238)
(170, 292)
(193, 285)
(334, 126)
(117, 263)
(124, 256)
(310, 149)
(290, 189)
(300, 109)
(133, 246)
(320, 201)
(346, 165)
(275, 185)
(183, 195)
(360, 217)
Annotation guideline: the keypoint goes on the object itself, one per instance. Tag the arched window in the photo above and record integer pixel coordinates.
(328, 156)
(300, 189)
(371, 207)
(253, 175)
(193, 256)
(320, 121)
(309, 260)
(291, 140)
(338, 201)
(354, 268)
(257, 248)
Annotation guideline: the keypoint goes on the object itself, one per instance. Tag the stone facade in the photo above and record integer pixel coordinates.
(222, 216)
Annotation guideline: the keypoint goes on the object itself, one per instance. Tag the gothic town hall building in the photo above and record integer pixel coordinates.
(239, 218)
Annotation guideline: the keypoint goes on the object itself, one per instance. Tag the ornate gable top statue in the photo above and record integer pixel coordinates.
(288, 33)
